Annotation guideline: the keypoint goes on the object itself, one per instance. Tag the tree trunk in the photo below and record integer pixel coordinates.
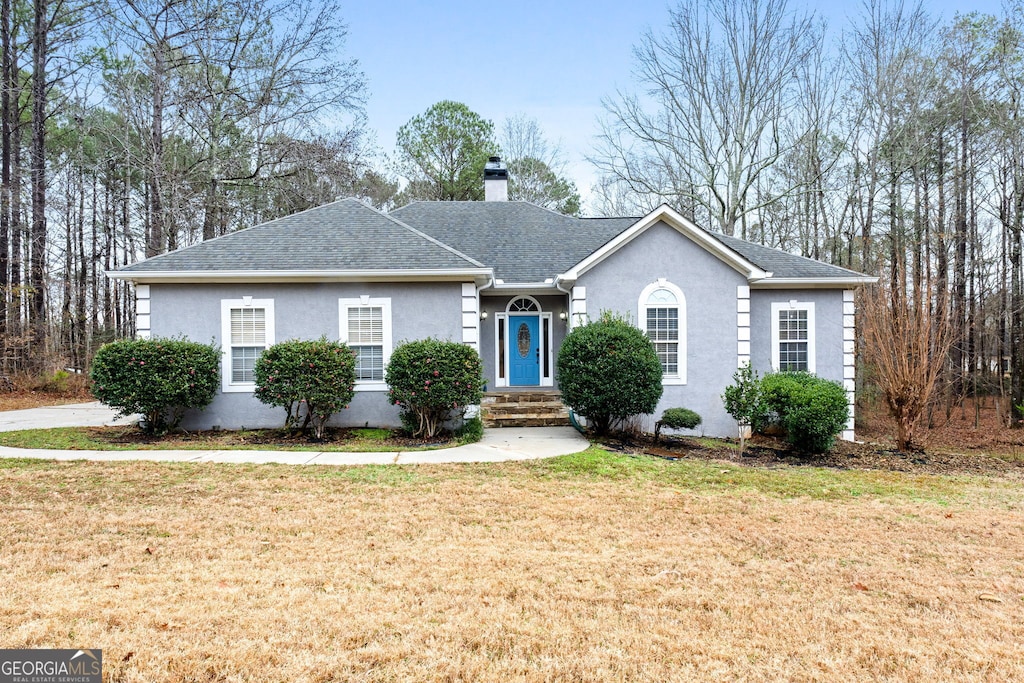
(5, 175)
(37, 266)
(156, 239)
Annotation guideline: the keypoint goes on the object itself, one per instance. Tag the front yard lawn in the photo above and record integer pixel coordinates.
(595, 566)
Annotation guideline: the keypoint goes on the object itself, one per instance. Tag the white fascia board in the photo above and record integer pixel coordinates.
(539, 288)
(479, 274)
(812, 282)
(674, 219)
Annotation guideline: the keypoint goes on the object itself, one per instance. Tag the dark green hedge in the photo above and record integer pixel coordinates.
(311, 379)
(159, 378)
(810, 409)
(433, 381)
(608, 371)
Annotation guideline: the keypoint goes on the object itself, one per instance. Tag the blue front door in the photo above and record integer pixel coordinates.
(524, 350)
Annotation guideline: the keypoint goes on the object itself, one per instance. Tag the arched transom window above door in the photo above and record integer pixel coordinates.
(523, 304)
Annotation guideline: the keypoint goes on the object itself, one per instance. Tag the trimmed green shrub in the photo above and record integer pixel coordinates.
(471, 431)
(311, 379)
(743, 401)
(680, 418)
(810, 409)
(609, 371)
(433, 381)
(159, 378)
(676, 418)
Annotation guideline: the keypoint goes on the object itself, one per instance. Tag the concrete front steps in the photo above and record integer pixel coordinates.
(524, 409)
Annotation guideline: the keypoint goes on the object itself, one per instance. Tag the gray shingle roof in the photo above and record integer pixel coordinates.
(521, 241)
(525, 243)
(782, 264)
(345, 235)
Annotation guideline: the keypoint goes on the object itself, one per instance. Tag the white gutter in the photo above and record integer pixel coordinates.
(812, 282)
(298, 275)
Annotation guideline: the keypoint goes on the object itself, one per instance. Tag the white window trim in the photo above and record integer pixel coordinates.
(227, 386)
(793, 305)
(385, 305)
(661, 283)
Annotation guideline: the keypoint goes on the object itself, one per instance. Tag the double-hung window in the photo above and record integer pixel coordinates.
(662, 316)
(366, 328)
(793, 336)
(247, 329)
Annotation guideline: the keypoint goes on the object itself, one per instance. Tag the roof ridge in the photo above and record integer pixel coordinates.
(427, 237)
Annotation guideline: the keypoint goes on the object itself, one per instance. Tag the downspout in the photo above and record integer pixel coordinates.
(568, 301)
(479, 330)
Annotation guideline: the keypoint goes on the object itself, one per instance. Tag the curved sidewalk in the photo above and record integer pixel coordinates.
(498, 445)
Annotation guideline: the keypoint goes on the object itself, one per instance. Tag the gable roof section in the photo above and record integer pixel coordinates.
(523, 242)
(764, 267)
(339, 240)
(667, 215)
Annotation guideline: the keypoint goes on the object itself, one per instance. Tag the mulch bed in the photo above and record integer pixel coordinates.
(764, 451)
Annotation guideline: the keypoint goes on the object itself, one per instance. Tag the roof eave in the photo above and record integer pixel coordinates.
(812, 282)
(539, 288)
(480, 275)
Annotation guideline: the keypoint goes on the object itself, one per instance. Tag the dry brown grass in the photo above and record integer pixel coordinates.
(517, 572)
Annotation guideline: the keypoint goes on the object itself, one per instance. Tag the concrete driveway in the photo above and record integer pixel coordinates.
(93, 414)
(498, 445)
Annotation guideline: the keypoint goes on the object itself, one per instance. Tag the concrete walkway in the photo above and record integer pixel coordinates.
(498, 445)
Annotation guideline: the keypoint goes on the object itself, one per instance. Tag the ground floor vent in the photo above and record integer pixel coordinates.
(524, 409)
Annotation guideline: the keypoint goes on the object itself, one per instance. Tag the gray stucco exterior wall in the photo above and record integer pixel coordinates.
(828, 328)
(303, 311)
(709, 286)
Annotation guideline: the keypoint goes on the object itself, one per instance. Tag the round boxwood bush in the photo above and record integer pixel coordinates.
(676, 418)
(433, 381)
(679, 418)
(810, 409)
(159, 378)
(608, 371)
(311, 380)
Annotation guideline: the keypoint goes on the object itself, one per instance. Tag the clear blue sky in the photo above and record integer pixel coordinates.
(553, 60)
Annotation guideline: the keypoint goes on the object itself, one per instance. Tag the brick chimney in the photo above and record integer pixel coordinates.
(495, 181)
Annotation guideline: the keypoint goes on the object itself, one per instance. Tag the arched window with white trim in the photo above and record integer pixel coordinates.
(662, 316)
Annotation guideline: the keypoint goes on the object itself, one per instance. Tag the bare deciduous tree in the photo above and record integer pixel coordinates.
(906, 342)
(718, 86)
(536, 166)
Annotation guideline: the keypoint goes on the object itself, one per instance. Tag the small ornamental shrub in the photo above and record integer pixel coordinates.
(810, 409)
(609, 371)
(159, 378)
(433, 381)
(743, 401)
(471, 431)
(676, 418)
(311, 380)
